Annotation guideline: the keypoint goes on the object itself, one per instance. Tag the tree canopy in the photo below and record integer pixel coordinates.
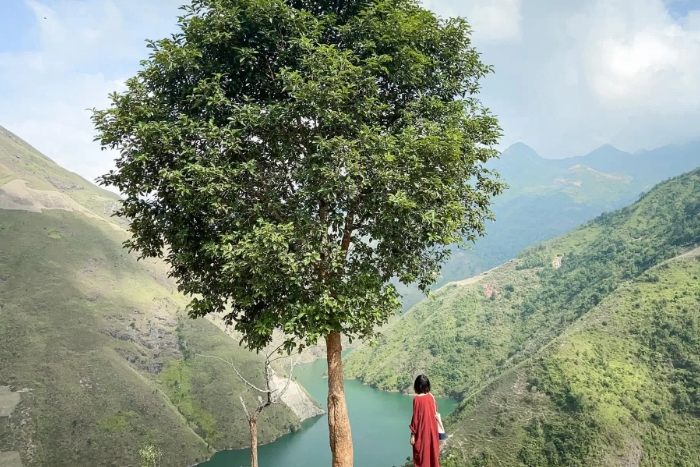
(287, 158)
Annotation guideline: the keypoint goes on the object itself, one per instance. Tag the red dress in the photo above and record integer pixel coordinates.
(426, 449)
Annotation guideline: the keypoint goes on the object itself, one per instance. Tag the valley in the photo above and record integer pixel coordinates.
(96, 354)
(572, 353)
(549, 197)
(275, 233)
(97, 358)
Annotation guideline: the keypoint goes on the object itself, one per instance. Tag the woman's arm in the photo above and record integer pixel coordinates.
(415, 421)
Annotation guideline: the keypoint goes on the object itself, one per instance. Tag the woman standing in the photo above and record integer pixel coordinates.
(424, 429)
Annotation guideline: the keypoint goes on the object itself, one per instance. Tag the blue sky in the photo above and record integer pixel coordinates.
(570, 75)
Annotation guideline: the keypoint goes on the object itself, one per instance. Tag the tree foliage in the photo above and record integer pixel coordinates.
(288, 158)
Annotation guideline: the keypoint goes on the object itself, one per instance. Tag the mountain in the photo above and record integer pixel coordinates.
(96, 357)
(583, 350)
(549, 197)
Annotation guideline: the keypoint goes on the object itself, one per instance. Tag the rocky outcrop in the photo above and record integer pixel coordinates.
(296, 398)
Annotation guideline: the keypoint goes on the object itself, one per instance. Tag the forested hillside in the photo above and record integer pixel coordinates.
(96, 358)
(549, 197)
(619, 388)
(579, 351)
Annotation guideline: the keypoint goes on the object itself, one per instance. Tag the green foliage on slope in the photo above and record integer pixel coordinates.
(548, 198)
(474, 330)
(619, 388)
(93, 337)
(588, 347)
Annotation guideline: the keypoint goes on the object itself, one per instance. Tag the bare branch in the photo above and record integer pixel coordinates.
(236, 370)
(276, 350)
(292, 364)
(245, 409)
(273, 396)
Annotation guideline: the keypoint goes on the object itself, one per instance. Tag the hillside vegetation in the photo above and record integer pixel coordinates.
(581, 351)
(95, 344)
(619, 388)
(548, 198)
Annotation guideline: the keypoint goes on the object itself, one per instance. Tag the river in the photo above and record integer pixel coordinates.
(379, 428)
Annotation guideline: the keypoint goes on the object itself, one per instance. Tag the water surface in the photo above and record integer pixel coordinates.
(379, 428)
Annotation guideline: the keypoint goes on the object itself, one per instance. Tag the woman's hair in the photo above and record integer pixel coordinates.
(422, 385)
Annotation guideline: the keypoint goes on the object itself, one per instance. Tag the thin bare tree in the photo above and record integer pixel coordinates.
(267, 396)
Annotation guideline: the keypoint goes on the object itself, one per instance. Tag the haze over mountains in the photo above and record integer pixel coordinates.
(548, 197)
(96, 357)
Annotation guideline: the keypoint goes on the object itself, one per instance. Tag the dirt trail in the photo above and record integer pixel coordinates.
(10, 459)
(574, 327)
(8, 401)
(689, 254)
(16, 195)
(475, 279)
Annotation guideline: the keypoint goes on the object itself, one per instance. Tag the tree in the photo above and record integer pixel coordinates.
(288, 158)
(271, 395)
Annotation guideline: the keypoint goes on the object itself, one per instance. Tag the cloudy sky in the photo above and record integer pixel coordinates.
(570, 75)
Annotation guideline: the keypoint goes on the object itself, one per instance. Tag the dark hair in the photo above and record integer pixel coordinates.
(422, 385)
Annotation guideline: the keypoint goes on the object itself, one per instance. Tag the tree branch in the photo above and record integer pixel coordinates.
(236, 370)
(245, 409)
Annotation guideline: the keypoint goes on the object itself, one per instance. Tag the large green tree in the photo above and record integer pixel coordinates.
(288, 157)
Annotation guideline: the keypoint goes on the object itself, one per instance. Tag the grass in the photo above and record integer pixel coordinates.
(548, 198)
(471, 333)
(546, 377)
(94, 337)
(617, 387)
(89, 330)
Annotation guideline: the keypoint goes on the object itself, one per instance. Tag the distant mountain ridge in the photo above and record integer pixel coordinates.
(548, 197)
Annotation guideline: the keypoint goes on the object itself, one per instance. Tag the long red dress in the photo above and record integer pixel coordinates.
(426, 449)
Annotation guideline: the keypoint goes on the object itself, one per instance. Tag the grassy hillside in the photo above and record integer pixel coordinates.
(619, 388)
(581, 351)
(477, 328)
(548, 198)
(94, 342)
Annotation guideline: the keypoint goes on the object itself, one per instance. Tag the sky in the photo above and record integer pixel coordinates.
(569, 76)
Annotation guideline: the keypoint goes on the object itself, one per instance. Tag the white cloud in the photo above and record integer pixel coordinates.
(586, 73)
(85, 49)
(570, 75)
(491, 20)
(638, 55)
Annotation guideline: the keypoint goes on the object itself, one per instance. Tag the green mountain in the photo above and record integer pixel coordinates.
(581, 351)
(95, 357)
(549, 197)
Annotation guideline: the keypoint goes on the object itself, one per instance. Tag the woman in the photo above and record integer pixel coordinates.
(424, 428)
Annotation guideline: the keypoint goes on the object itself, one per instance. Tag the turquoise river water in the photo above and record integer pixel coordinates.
(379, 428)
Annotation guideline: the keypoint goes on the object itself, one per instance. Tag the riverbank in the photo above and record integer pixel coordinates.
(379, 427)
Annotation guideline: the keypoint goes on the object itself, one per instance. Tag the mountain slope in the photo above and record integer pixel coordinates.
(619, 388)
(581, 351)
(549, 197)
(476, 328)
(94, 343)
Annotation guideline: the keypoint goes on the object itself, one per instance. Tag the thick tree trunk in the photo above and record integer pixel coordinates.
(253, 442)
(338, 421)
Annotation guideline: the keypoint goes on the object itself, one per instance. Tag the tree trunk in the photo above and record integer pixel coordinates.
(338, 421)
(253, 442)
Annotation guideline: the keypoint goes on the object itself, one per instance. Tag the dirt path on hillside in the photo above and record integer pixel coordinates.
(17, 196)
(8, 401)
(576, 326)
